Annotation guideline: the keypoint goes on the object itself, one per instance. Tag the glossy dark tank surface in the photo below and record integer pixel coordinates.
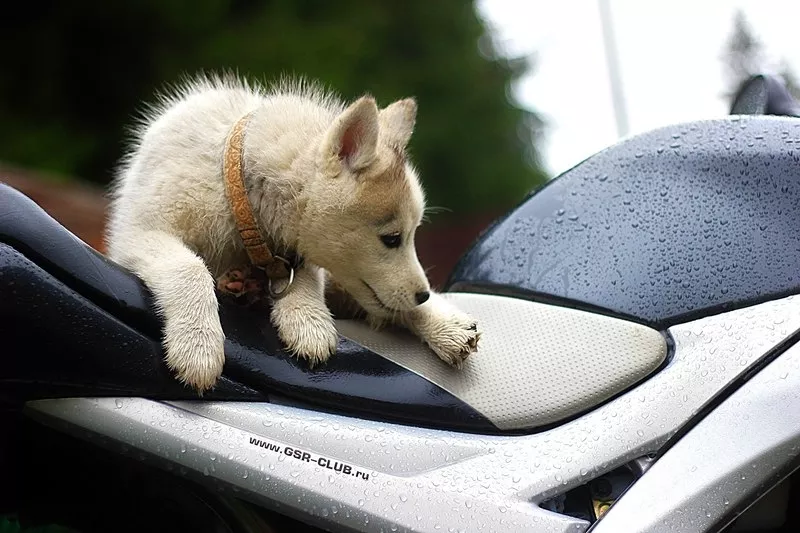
(680, 222)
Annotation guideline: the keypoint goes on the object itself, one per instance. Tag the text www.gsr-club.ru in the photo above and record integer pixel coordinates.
(308, 457)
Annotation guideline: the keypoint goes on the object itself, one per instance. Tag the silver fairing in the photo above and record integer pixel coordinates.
(356, 475)
(739, 451)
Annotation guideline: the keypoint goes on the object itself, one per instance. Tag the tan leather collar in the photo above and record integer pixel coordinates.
(254, 243)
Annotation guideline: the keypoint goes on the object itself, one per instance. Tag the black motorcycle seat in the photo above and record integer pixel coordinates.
(29, 229)
(80, 325)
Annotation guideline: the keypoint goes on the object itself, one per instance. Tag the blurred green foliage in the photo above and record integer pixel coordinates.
(75, 72)
(744, 57)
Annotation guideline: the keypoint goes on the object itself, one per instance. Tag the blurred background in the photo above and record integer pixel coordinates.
(511, 92)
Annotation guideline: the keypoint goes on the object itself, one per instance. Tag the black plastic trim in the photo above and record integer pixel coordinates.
(511, 291)
(533, 296)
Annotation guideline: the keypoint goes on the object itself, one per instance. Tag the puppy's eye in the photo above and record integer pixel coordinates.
(393, 240)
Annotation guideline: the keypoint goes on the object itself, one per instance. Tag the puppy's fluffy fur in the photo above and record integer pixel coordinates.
(327, 180)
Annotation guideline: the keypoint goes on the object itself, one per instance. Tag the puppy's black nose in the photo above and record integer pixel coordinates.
(422, 297)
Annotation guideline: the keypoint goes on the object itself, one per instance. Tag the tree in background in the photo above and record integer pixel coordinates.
(744, 57)
(790, 78)
(75, 72)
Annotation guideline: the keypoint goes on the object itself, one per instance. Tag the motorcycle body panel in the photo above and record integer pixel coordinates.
(664, 227)
(687, 232)
(350, 474)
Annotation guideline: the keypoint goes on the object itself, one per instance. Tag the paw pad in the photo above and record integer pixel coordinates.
(243, 282)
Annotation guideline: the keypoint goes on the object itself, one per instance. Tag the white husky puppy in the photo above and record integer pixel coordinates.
(327, 181)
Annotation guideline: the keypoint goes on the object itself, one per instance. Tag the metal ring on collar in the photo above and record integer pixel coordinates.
(280, 294)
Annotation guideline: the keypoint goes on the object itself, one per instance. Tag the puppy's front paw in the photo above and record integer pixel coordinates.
(241, 281)
(453, 338)
(195, 349)
(308, 332)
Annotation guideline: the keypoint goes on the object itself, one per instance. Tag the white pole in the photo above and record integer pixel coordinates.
(615, 78)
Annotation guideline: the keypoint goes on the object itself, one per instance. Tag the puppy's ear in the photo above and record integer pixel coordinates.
(397, 122)
(353, 137)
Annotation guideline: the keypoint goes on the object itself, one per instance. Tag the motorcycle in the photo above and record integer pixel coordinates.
(638, 370)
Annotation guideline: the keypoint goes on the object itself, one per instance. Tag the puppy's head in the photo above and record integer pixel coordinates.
(364, 205)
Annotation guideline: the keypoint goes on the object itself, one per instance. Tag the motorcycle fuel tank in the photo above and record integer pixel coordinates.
(664, 227)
